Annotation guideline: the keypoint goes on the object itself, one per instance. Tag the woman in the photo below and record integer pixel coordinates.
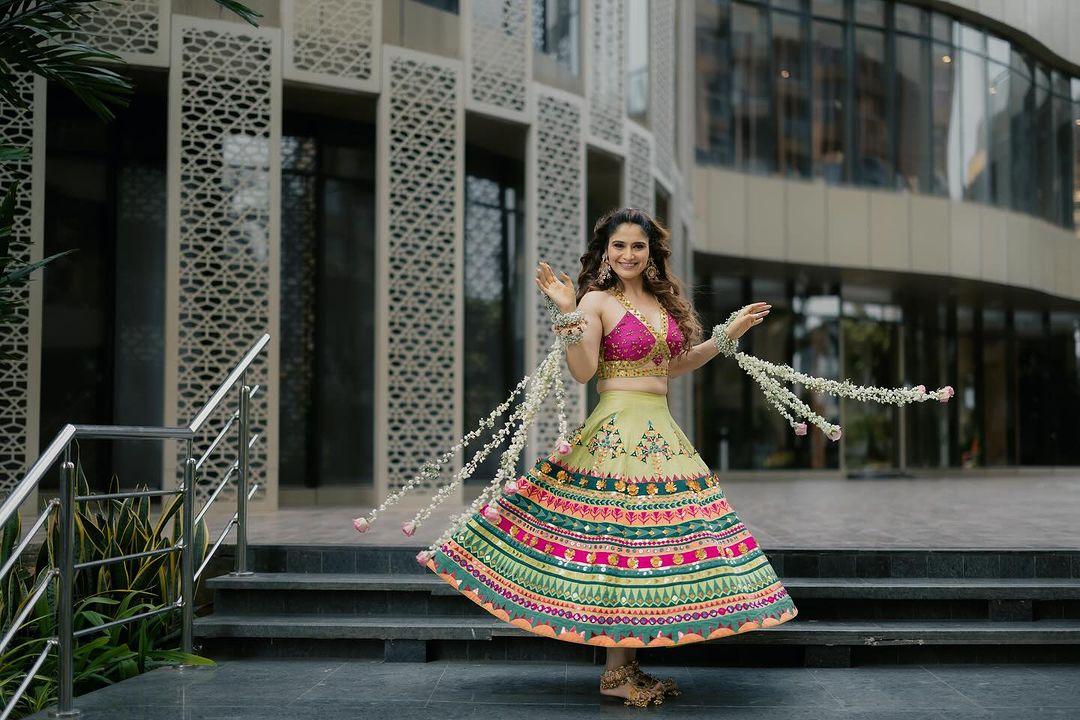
(628, 540)
(621, 537)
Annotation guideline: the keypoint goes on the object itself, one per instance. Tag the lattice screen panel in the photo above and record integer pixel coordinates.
(18, 381)
(607, 71)
(421, 136)
(662, 85)
(499, 55)
(224, 183)
(638, 188)
(136, 30)
(558, 180)
(333, 42)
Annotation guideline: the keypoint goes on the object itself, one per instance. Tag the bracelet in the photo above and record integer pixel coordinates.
(569, 327)
(724, 343)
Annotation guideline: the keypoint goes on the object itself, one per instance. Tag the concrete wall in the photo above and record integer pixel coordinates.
(773, 218)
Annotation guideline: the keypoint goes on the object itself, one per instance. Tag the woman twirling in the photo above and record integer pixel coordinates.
(622, 536)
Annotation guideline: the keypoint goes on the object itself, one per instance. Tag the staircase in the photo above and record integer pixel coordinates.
(855, 607)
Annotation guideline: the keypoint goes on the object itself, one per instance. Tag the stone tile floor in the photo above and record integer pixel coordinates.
(323, 689)
(1024, 510)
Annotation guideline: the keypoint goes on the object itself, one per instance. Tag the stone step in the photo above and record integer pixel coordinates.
(800, 587)
(788, 562)
(406, 638)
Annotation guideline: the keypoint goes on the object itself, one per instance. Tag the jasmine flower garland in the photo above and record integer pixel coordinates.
(767, 375)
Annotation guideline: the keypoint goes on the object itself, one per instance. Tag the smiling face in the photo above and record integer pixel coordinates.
(628, 251)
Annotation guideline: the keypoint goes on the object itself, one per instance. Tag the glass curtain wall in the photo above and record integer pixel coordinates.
(885, 94)
(327, 301)
(1015, 367)
(495, 292)
(103, 339)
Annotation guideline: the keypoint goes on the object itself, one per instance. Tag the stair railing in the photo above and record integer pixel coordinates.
(64, 505)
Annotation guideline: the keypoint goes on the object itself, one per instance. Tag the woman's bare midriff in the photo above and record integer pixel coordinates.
(656, 385)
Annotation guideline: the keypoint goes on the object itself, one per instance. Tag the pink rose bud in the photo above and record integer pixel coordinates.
(800, 428)
(945, 393)
(423, 556)
(511, 487)
(408, 527)
(361, 524)
(834, 435)
(563, 447)
(921, 389)
(491, 513)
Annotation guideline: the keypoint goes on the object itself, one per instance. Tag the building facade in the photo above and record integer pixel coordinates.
(370, 181)
(900, 180)
(373, 182)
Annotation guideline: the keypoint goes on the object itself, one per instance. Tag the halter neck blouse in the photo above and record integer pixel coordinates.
(634, 348)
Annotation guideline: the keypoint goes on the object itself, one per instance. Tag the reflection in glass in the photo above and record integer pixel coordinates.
(945, 176)
(973, 130)
(772, 438)
(792, 94)
(913, 113)
(873, 165)
(1021, 130)
(494, 293)
(993, 353)
(829, 81)
(713, 81)
(750, 95)
(637, 59)
(555, 31)
(816, 329)
(871, 349)
(1000, 143)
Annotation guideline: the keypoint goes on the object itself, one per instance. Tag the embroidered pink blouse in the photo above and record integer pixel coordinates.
(631, 348)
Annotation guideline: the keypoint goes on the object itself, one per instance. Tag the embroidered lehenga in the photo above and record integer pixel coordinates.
(627, 539)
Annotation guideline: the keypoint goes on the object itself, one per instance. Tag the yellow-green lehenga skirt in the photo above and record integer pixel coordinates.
(627, 540)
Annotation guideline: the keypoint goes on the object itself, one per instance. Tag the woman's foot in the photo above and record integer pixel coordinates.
(622, 682)
(667, 684)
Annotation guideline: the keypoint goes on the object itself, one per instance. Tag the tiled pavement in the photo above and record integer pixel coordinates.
(1021, 510)
(330, 689)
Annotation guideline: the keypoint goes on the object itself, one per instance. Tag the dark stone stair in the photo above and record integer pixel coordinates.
(889, 607)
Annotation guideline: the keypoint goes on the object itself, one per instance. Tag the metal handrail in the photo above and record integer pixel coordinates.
(66, 567)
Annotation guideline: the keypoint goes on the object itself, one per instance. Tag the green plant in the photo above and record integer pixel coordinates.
(103, 528)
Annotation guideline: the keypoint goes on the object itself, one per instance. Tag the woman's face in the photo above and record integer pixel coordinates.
(628, 250)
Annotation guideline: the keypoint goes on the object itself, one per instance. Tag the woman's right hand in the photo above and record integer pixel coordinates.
(561, 292)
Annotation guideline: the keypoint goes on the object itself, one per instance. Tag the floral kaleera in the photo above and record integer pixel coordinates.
(548, 376)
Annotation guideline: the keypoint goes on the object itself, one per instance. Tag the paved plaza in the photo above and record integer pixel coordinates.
(324, 689)
(1018, 510)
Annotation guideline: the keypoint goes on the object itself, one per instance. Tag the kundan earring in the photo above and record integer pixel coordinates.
(651, 271)
(605, 271)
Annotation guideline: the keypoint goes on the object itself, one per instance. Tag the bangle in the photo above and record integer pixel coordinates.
(723, 341)
(569, 327)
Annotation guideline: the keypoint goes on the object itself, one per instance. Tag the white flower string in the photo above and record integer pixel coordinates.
(767, 375)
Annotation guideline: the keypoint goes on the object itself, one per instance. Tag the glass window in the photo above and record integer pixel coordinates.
(998, 82)
(913, 113)
(713, 81)
(973, 129)
(792, 94)
(943, 29)
(829, 84)
(1044, 150)
(873, 165)
(750, 92)
(1064, 152)
(1021, 130)
(833, 9)
(870, 12)
(792, 5)
(327, 388)
(910, 19)
(771, 438)
(871, 336)
(637, 59)
(494, 291)
(945, 178)
(1076, 151)
(555, 31)
(816, 330)
(103, 307)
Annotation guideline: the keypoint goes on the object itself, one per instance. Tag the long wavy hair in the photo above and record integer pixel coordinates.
(667, 288)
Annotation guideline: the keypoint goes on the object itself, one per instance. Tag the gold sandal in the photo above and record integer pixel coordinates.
(641, 694)
(668, 684)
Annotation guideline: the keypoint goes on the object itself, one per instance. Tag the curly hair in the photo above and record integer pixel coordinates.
(667, 288)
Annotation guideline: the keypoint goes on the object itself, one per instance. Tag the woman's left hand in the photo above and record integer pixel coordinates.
(749, 316)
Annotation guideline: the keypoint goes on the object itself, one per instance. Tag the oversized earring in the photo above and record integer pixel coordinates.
(605, 271)
(651, 271)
